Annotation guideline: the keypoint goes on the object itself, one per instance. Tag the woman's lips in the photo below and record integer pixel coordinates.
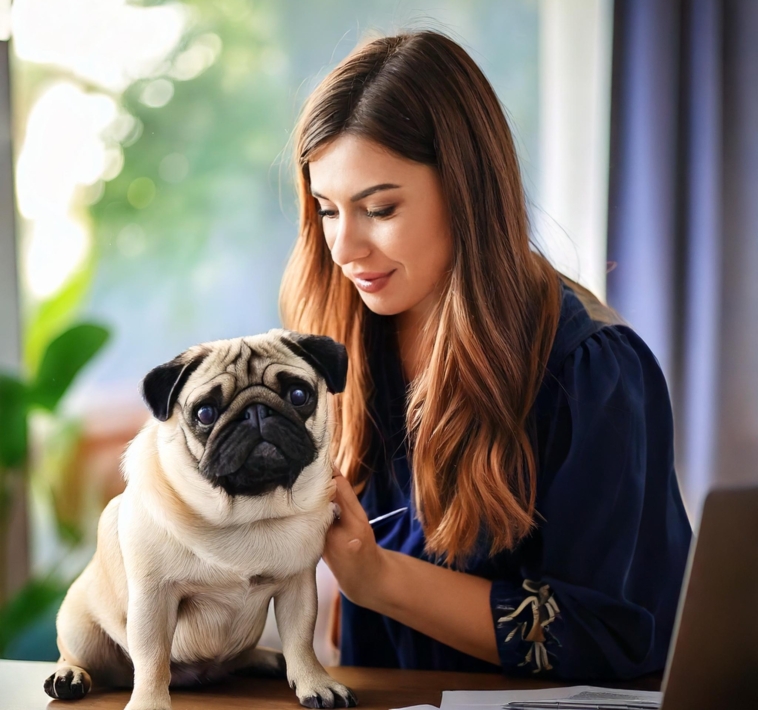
(372, 282)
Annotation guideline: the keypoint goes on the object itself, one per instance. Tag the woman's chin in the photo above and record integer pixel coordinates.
(381, 305)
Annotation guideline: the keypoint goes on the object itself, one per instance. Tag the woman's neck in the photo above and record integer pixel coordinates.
(408, 328)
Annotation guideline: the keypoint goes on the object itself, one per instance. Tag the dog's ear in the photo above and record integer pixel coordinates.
(162, 384)
(327, 356)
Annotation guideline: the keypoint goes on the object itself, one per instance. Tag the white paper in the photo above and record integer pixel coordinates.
(419, 707)
(578, 695)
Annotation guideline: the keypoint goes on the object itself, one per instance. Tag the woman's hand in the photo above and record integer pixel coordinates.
(351, 552)
(414, 592)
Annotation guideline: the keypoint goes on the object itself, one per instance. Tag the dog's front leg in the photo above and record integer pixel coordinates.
(295, 608)
(150, 624)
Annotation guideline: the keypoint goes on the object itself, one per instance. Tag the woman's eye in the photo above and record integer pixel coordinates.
(207, 415)
(298, 396)
(326, 213)
(383, 212)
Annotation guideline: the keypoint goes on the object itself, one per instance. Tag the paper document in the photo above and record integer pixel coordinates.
(578, 697)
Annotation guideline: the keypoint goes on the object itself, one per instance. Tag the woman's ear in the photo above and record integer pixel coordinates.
(162, 384)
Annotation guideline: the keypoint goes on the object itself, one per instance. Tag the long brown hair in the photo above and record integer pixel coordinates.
(487, 341)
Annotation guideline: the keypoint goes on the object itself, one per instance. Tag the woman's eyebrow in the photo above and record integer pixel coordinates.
(363, 193)
(371, 190)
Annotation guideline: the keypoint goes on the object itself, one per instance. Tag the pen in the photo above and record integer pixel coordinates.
(392, 514)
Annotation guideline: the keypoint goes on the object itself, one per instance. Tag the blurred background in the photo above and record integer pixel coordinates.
(146, 204)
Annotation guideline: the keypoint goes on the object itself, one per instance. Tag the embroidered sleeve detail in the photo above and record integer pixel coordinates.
(523, 626)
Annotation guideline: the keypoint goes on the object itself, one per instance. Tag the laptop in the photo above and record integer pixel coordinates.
(713, 657)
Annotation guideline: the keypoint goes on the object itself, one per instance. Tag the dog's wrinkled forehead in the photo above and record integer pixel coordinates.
(231, 366)
(270, 360)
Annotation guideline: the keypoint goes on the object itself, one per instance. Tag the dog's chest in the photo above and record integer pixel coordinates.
(225, 599)
(278, 550)
(217, 623)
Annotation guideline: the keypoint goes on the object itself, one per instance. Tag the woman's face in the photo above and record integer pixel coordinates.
(385, 222)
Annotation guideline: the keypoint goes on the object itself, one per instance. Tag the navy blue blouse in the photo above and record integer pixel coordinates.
(603, 568)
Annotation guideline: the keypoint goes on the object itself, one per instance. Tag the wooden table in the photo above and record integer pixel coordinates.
(376, 689)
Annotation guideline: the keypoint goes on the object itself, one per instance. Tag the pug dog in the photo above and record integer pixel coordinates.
(227, 505)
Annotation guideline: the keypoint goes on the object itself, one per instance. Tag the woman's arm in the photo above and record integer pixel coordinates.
(449, 606)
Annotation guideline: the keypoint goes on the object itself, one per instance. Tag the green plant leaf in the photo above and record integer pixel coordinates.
(55, 314)
(13, 432)
(63, 360)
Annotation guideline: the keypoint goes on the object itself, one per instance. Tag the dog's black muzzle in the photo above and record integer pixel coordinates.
(257, 451)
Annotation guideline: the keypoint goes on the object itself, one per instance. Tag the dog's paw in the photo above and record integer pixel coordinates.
(68, 683)
(160, 701)
(325, 693)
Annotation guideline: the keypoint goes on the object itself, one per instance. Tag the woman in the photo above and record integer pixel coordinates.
(529, 435)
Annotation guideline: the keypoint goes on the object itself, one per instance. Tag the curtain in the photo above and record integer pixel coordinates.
(683, 220)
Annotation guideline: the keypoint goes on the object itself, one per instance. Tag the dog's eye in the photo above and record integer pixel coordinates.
(206, 415)
(298, 396)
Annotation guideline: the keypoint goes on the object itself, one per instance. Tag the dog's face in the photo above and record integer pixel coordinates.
(250, 412)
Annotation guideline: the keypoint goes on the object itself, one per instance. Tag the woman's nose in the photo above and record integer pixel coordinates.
(349, 243)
